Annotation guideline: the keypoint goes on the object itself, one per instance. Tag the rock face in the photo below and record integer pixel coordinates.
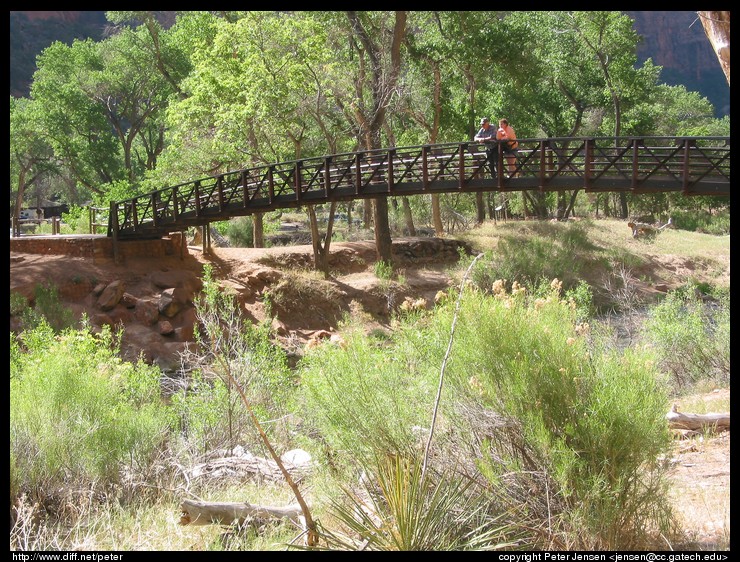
(717, 27)
(677, 42)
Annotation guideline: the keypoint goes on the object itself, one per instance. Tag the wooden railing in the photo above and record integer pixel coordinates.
(689, 165)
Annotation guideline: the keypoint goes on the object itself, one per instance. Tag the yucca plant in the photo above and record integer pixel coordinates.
(400, 508)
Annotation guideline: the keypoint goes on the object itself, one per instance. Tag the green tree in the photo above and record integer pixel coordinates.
(75, 125)
(31, 157)
(594, 100)
(280, 58)
(169, 57)
(103, 105)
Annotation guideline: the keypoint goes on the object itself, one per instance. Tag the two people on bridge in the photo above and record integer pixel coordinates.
(491, 137)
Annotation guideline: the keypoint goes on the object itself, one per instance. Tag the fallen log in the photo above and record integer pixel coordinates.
(228, 513)
(711, 421)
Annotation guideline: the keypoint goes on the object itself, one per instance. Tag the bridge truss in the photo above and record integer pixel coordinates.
(689, 165)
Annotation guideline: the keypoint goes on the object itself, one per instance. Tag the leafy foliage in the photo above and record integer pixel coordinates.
(78, 413)
(152, 105)
(233, 354)
(691, 333)
(511, 352)
(47, 310)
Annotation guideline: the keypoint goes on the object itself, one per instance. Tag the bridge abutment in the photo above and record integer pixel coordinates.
(99, 247)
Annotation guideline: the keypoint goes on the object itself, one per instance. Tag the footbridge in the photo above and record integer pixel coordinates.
(687, 165)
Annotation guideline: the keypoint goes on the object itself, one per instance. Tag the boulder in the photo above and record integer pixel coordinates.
(111, 295)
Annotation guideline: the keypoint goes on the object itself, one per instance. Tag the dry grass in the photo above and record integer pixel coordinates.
(153, 526)
(701, 482)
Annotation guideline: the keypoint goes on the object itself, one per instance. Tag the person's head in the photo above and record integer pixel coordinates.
(503, 122)
(485, 122)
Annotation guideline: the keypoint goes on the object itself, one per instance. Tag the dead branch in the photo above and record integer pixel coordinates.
(240, 467)
(228, 513)
(711, 421)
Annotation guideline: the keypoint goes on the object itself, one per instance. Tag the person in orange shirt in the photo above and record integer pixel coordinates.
(509, 143)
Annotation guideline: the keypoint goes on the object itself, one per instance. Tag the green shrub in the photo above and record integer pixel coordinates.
(552, 250)
(364, 399)
(702, 221)
(528, 360)
(77, 413)
(691, 336)
(203, 427)
(233, 352)
(582, 297)
(18, 303)
(76, 220)
(590, 425)
(47, 308)
(383, 270)
(241, 232)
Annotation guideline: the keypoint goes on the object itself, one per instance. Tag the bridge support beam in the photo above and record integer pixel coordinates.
(113, 221)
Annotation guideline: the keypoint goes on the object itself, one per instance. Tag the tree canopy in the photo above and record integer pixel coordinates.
(153, 105)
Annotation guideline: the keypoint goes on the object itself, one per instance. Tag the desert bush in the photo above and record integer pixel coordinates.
(592, 425)
(550, 250)
(383, 270)
(594, 421)
(698, 221)
(18, 303)
(364, 400)
(240, 231)
(583, 299)
(232, 355)
(78, 413)
(209, 416)
(690, 331)
(48, 309)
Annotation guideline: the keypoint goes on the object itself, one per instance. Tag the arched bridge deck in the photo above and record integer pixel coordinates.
(688, 165)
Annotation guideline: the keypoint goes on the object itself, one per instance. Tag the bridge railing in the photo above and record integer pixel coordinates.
(608, 164)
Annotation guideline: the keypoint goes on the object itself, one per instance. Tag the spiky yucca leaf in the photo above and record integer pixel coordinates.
(398, 509)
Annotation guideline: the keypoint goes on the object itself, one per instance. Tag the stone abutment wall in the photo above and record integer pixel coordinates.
(99, 247)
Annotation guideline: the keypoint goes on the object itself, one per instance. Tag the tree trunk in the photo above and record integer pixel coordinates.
(480, 207)
(623, 204)
(350, 221)
(382, 82)
(367, 213)
(258, 231)
(383, 242)
(21, 192)
(439, 228)
(560, 205)
(408, 216)
(571, 204)
(321, 251)
(717, 27)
